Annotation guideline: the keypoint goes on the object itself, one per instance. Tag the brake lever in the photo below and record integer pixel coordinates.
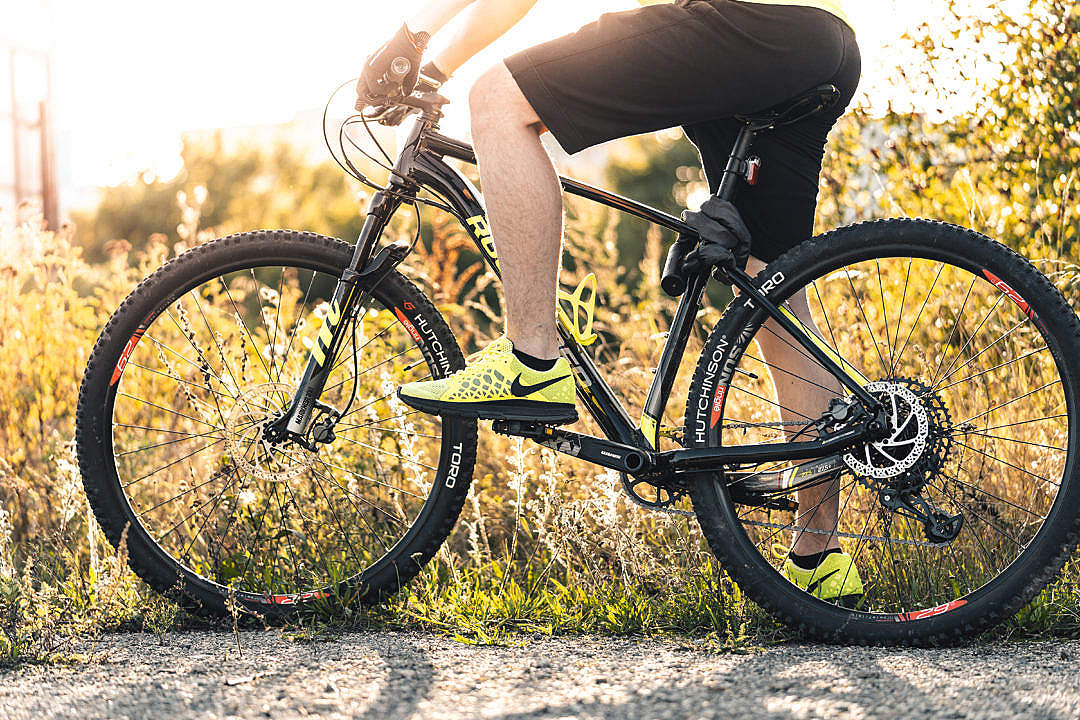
(395, 115)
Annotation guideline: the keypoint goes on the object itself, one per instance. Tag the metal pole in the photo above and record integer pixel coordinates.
(50, 197)
(15, 132)
(49, 204)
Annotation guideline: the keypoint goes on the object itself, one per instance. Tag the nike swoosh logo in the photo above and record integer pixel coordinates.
(517, 389)
(812, 587)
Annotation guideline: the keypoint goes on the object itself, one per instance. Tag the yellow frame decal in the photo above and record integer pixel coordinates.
(648, 429)
(844, 365)
(322, 343)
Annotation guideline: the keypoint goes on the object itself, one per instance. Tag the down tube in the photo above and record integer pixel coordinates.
(461, 195)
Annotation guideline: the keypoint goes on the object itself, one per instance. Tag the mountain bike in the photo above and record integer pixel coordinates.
(239, 432)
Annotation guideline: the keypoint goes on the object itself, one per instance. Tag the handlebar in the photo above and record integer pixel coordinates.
(424, 98)
(672, 280)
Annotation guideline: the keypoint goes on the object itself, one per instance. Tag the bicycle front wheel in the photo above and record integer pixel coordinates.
(185, 375)
(969, 506)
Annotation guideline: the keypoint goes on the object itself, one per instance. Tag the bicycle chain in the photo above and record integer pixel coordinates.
(778, 424)
(851, 536)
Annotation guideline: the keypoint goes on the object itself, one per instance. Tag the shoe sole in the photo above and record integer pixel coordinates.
(522, 410)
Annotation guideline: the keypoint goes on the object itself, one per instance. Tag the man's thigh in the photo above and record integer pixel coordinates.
(667, 65)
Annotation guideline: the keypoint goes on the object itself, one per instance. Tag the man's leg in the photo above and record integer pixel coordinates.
(801, 399)
(524, 206)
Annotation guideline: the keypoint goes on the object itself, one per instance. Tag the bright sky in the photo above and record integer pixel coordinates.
(131, 75)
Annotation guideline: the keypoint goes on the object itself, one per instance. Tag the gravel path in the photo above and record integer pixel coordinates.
(392, 676)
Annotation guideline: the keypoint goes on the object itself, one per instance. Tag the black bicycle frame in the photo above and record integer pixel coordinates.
(421, 166)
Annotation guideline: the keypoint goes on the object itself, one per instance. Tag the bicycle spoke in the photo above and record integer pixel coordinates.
(983, 372)
(1013, 440)
(174, 462)
(296, 325)
(918, 316)
(181, 494)
(391, 454)
(866, 320)
(974, 357)
(790, 374)
(956, 324)
(1004, 404)
(166, 443)
(993, 496)
(159, 407)
(1004, 462)
(971, 336)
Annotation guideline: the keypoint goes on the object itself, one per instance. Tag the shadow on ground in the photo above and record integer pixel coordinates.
(393, 676)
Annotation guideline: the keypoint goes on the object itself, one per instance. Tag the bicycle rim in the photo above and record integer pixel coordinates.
(962, 353)
(277, 524)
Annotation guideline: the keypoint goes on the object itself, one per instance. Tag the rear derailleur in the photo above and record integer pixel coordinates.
(939, 527)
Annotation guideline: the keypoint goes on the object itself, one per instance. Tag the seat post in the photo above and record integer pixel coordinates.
(736, 164)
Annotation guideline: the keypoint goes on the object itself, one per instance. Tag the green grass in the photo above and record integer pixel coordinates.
(47, 608)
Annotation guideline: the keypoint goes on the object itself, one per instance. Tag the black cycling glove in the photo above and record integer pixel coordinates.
(375, 85)
(725, 239)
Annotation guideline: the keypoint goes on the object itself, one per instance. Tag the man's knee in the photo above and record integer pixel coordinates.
(496, 99)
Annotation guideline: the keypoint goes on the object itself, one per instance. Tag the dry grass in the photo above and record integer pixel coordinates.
(545, 544)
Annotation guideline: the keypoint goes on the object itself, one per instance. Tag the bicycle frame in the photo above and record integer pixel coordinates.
(628, 447)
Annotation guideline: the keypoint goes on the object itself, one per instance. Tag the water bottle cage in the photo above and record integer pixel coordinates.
(577, 317)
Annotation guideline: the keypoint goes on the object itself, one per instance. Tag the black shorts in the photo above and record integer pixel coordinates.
(699, 63)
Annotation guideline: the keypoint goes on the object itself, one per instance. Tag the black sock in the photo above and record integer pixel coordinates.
(809, 562)
(533, 362)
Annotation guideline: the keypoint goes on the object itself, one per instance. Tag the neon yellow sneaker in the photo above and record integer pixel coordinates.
(498, 386)
(836, 578)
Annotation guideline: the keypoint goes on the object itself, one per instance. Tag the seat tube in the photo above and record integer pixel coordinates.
(683, 322)
(734, 171)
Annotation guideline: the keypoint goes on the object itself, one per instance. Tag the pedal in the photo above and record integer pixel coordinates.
(520, 428)
(613, 455)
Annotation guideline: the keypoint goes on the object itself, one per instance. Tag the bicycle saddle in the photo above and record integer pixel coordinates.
(798, 108)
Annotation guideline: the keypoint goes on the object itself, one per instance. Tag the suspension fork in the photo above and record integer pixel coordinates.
(348, 299)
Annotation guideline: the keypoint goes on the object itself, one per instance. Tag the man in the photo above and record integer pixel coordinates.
(694, 63)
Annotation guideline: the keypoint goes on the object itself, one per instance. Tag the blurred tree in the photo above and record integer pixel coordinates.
(660, 170)
(1005, 164)
(246, 188)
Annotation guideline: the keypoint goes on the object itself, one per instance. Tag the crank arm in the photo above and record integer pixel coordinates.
(613, 455)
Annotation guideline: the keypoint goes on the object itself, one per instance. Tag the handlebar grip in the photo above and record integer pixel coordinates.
(399, 68)
(672, 280)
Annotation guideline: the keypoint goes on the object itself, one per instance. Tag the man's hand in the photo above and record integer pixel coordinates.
(725, 239)
(377, 81)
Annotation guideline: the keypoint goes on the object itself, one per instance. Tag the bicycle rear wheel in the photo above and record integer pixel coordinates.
(189, 368)
(977, 357)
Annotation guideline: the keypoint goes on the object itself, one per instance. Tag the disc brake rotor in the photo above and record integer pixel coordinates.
(909, 428)
(251, 452)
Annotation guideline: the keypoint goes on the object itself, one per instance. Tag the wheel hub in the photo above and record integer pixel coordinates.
(252, 450)
(914, 449)
(907, 427)
(916, 444)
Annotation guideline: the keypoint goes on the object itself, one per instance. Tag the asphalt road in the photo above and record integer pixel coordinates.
(393, 676)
